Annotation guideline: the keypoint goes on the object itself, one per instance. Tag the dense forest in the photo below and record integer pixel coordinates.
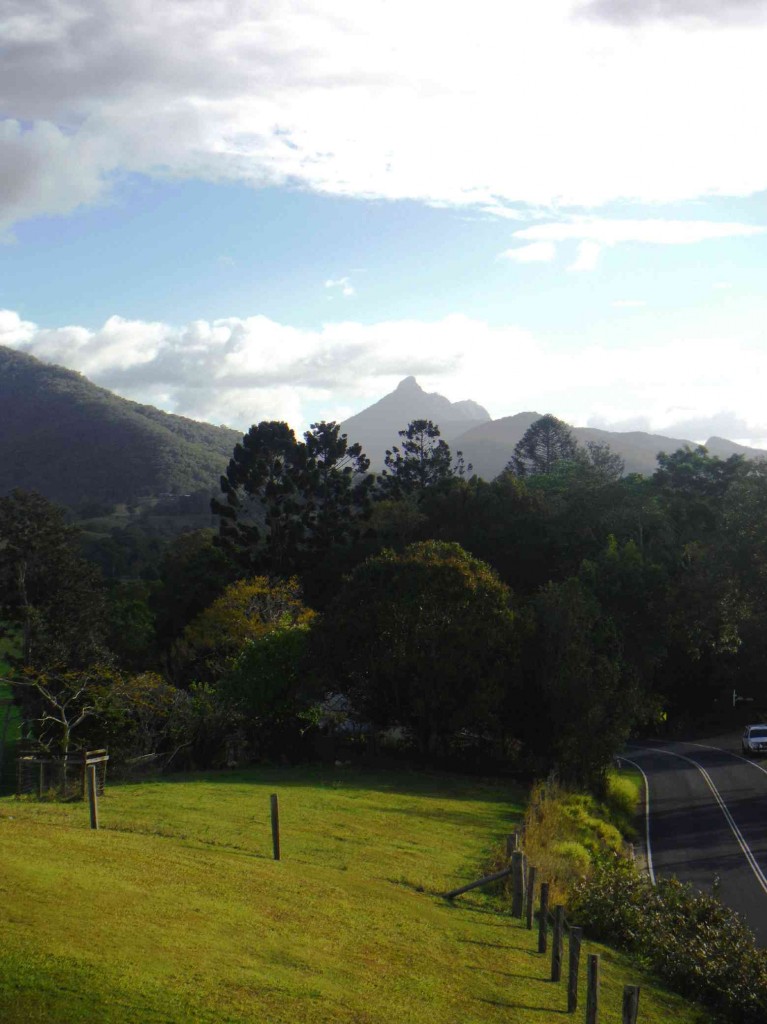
(529, 623)
(79, 444)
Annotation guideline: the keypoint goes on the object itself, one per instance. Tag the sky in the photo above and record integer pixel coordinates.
(240, 210)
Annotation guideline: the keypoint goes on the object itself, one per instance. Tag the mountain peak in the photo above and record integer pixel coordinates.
(409, 384)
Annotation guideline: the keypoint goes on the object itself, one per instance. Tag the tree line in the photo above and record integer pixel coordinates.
(532, 621)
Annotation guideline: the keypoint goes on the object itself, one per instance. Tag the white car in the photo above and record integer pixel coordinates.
(754, 739)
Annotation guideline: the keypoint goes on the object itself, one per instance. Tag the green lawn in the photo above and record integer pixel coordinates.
(175, 911)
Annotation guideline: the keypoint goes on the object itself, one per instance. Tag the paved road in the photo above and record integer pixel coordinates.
(708, 820)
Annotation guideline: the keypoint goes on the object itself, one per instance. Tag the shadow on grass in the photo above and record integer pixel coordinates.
(499, 945)
(521, 1006)
(426, 783)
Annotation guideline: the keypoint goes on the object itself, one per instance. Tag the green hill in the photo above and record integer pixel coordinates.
(75, 442)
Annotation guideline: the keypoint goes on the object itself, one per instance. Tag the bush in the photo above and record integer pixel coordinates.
(563, 832)
(698, 946)
(574, 856)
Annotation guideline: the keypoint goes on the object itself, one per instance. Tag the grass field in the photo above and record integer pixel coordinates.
(175, 911)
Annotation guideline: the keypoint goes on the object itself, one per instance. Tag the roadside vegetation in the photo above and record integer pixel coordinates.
(689, 939)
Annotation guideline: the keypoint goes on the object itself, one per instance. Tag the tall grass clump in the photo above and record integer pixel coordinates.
(699, 947)
(565, 831)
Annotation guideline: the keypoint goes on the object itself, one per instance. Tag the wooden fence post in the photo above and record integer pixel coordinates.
(531, 873)
(275, 825)
(574, 963)
(557, 943)
(518, 883)
(630, 1004)
(543, 918)
(592, 989)
(512, 844)
(40, 780)
(93, 799)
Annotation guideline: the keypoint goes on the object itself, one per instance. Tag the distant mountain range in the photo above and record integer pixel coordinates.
(74, 442)
(376, 428)
(489, 444)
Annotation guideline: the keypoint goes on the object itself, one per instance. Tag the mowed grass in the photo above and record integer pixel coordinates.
(176, 912)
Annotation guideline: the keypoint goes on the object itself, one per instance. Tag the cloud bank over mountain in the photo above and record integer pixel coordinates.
(239, 370)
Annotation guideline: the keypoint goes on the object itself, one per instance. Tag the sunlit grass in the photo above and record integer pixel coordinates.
(176, 912)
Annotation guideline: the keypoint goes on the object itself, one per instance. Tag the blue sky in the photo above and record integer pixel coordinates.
(243, 210)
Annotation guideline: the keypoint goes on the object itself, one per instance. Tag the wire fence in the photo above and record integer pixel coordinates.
(38, 774)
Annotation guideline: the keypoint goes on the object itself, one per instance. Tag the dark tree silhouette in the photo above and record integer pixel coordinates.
(288, 501)
(421, 460)
(545, 443)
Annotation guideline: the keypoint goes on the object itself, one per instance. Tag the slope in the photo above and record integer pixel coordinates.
(175, 911)
(73, 442)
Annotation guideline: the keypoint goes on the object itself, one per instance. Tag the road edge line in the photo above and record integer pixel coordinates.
(748, 853)
(648, 846)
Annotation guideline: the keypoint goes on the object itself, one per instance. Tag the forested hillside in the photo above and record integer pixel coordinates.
(75, 442)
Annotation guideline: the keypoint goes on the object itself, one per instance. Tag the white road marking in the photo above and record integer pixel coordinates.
(747, 853)
(707, 746)
(639, 768)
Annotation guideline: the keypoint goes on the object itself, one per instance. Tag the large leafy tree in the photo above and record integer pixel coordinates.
(247, 610)
(579, 705)
(544, 445)
(288, 502)
(422, 639)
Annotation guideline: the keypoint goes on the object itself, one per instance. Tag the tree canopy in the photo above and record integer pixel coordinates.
(421, 460)
(431, 652)
(288, 502)
(544, 444)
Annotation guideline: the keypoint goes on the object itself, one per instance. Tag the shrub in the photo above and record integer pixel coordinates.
(563, 831)
(697, 945)
(574, 856)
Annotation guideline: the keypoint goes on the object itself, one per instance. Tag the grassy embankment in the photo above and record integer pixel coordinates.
(175, 911)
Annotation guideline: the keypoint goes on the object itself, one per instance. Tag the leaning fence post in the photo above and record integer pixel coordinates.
(531, 873)
(630, 1004)
(543, 918)
(512, 843)
(275, 825)
(93, 799)
(592, 989)
(574, 963)
(518, 883)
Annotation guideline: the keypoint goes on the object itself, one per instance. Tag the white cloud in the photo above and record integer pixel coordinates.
(651, 231)
(587, 256)
(692, 12)
(342, 284)
(240, 370)
(536, 252)
(594, 234)
(517, 104)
